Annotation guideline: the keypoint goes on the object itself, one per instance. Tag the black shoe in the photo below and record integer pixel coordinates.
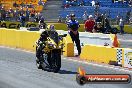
(77, 55)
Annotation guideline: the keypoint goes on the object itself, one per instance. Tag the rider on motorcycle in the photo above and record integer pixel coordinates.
(43, 38)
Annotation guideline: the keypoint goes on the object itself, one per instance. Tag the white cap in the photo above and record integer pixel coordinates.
(90, 16)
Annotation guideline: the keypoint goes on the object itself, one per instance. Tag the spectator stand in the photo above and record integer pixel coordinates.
(109, 7)
(18, 6)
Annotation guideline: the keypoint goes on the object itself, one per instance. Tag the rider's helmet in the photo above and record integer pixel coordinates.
(51, 27)
(48, 26)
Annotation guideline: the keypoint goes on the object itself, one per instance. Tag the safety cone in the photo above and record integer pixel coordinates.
(115, 42)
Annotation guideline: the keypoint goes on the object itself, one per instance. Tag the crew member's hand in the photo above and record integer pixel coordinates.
(75, 32)
(94, 31)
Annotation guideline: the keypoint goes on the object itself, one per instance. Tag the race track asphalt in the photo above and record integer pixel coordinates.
(125, 40)
(18, 70)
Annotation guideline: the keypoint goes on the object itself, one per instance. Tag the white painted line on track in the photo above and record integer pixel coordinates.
(18, 49)
(125, 40)
(99, 65)
(84, 62)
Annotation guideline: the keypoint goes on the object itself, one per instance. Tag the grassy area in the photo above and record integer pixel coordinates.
(127, 28)
(58, 26)
(62, 26)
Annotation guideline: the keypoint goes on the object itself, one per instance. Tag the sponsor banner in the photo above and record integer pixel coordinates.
(128, 58)
(103, 79)
(83, 78)
(16, 25)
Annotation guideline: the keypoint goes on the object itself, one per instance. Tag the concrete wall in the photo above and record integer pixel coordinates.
(95, 53)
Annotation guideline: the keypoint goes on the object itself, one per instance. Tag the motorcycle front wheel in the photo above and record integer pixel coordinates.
(38, 60)
(56, 60)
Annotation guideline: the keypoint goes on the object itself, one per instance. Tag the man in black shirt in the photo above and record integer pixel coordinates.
(98, 28)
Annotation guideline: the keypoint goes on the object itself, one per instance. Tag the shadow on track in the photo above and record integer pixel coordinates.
(66, 72)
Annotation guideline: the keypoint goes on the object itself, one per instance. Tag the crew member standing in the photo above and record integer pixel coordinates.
(73, 26)
(89, 24)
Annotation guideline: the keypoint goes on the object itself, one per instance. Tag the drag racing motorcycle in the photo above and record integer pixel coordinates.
(50, 58)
